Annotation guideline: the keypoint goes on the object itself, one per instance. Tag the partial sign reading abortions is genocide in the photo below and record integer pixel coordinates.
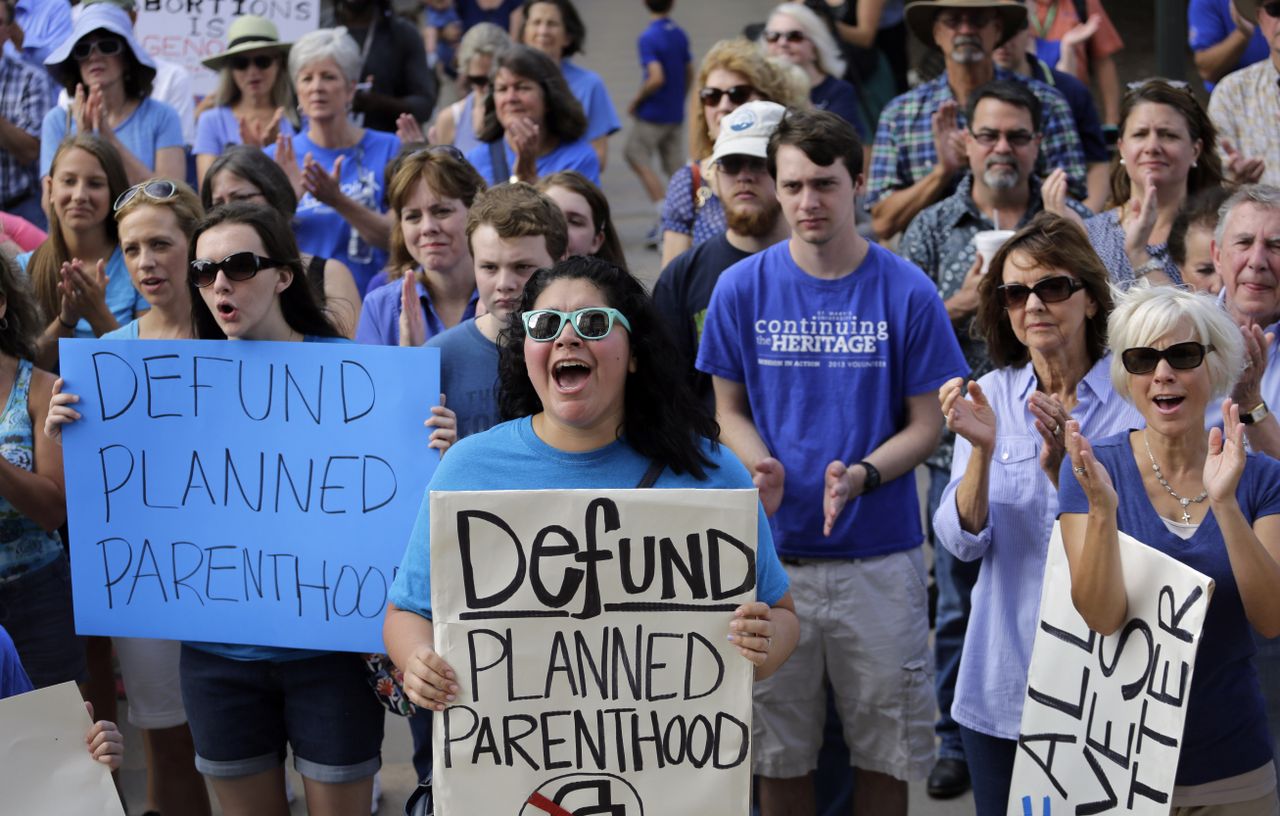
(1102, 718)
(588, 630)
(243, 492)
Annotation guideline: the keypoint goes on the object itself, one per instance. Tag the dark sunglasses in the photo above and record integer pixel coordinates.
(107, 47)
(158, 190)
(1272, 9)
(1050, 290)
(591, 323)
(477, 81)
(238, 266)
(261, 61)
(1182, 356)
(977, 19)
(990, 138)
(789, 36)
(738, 95)
(733, 165)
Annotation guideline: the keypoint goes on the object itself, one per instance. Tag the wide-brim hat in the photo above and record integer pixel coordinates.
(249, 33)
(1249, 9)
(96, 17)
(919, 16)
(745, 131)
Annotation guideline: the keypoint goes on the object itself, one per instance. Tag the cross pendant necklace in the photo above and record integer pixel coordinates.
(1182, 500)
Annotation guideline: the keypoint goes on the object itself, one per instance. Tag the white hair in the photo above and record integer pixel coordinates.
(830, 61)
(1146, 313)
(1263, 196)
(482, 39)
(326, 43)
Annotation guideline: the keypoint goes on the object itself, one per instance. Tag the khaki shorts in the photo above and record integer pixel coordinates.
(864, 624)
(1262, 806)
(648, 138)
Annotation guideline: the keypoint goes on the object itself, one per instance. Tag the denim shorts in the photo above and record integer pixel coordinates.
(243, 713)
(36, 610)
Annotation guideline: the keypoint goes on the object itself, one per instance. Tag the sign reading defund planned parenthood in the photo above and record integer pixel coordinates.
(588, 630)
(242, 492)
(1102, 718)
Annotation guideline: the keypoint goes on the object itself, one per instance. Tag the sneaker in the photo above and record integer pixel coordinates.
(377, 792)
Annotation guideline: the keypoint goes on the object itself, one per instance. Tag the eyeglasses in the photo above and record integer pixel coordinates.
(1050, 290)
(733, 165)
(1182, 356)
(477, 81)
(107, 47)
(157, 190)
(591, 323)
(738, 95)
(789, 36)
(440, 149)
(261, 61)
(990, 138)
(977, 19)
(238, 266)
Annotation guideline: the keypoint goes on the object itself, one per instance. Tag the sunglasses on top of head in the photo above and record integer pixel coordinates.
(738, 95)
(591, 323)
(107, 47)
(238, 266)
(1050, 290)
(260, 61)
(1182, 356)
(156, 190)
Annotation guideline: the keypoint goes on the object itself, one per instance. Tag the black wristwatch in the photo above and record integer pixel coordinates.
(1256, 415)
(873, 477)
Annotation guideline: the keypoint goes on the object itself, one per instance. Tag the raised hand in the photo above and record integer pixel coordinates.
(1242, 170)
(948, 138)
(1054, 194)
(1093, 477)
(325, 186)
(1224, 463)
(751, 632)
(972, 418)
(840, 484)
(413, 326)
(1051, 422)
(769, 478)
(1248, 389)
(408, 129)
(252, 132)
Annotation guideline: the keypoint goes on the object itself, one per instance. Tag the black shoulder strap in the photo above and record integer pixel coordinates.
(651, 475)
(498, 158)
(1082, 11)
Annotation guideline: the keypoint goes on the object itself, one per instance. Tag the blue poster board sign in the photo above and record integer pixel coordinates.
(243, 492)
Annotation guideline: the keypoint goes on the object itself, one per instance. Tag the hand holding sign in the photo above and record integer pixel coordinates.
(60, 412)
(443, 424)
(751, 630)
(429, 681)
(104, 741)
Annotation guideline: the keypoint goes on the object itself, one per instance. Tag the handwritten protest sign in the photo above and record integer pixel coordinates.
(1102, 720)
(44, 764)
(588, 632)
(188, 31)
(243, 492)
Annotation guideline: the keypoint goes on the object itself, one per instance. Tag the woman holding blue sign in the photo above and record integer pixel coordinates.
(580, 370)
(1199, 498)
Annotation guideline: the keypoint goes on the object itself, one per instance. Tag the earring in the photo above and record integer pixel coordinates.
(4, 324)
(1194, 165)
(1122, 162)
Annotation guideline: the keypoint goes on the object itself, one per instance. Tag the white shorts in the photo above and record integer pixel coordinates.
(150, 671)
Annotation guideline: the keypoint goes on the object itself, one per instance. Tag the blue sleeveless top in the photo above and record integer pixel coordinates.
(24, 546)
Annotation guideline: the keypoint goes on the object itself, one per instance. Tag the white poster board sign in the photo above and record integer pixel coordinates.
(588, 630)
(44, 764)
(188, 31)
(1102, 719)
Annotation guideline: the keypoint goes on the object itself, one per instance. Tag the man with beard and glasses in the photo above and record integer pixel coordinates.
(744, 186)
(919, 152)
(1001, 146)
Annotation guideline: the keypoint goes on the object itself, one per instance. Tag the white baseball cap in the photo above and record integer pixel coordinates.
(745, 131)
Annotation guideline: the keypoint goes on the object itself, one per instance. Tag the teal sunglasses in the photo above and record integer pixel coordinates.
(591, 323)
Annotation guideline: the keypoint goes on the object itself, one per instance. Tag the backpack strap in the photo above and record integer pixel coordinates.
(651, 475)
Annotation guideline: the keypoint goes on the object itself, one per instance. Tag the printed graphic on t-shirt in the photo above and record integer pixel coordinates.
(828, 339)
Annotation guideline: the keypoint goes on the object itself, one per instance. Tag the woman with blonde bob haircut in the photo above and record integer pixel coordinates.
(1201, 499)
(732, 73)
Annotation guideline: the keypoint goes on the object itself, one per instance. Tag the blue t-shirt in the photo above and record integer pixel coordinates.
(471, 13)
(589, 89)
(122, 299)
(324, 233)
(528, 463)
(1209, 22)
(218, 128)
(665, 43)
(128, 331)
(13, 678)
(380, 315)
(153, 125)
(828, 366)
(835, 95)
(1226, 727)
(579, 155)
(469, 376)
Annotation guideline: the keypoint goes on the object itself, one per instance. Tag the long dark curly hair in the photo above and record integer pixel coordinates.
(662, 418)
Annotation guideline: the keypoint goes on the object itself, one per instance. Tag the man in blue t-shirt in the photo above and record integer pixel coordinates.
(1222, 39)
(826, 353)
(658, 108)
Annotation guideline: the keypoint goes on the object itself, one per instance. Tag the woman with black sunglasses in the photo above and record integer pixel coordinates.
(1042, 310)
(459, 124)
(1199, 498)
(594, 424)
(253, 102)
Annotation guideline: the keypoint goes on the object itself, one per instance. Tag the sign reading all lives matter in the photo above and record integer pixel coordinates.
(243, 492)
(189, 31)
(588, 630)
(1103, 716)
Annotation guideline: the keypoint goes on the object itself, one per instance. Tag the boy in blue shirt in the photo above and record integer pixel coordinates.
(658, 108)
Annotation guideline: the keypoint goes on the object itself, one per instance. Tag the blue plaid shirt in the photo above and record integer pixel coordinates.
(24, 98)
(904, 152)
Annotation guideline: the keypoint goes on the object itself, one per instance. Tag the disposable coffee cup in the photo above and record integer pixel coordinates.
(988, 243)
